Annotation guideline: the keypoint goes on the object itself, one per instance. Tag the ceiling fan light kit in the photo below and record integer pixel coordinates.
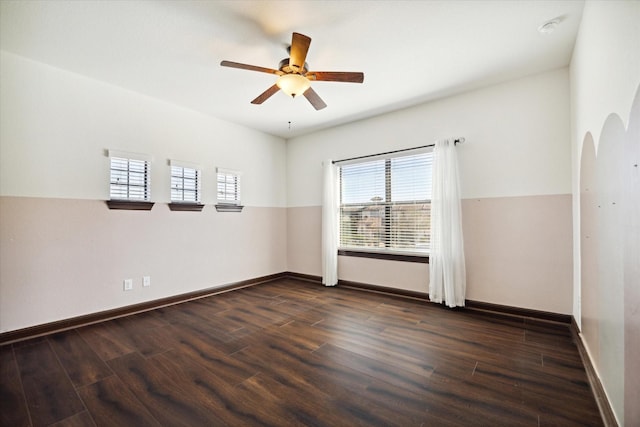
(294, 79)
(293, 84)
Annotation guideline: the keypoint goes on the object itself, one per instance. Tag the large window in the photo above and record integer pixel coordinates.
(385, 204)
(129, 179)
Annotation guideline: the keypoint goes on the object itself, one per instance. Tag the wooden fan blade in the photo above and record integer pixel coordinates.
(314, 99)
(266, 95)
(335, 76)
(250, 67)
(299, 48)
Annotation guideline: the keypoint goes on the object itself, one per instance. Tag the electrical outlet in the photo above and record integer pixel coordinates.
(146, 281)
(128, 284)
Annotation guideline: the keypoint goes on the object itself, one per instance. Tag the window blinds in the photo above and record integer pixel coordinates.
(385, 204)
(185, 184)
(129, 179)
(228, 183)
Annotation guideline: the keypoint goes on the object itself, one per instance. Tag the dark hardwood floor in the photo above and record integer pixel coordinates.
(295, 353)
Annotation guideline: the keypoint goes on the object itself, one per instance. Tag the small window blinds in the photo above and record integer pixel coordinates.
(228, 184)
(185, 184)
(129, 179)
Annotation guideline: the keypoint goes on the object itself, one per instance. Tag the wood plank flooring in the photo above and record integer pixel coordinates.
(291, 353)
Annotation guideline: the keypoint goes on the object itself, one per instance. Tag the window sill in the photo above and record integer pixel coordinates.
(385, 255)
(130, 205)
(189, 207)
(229, 208)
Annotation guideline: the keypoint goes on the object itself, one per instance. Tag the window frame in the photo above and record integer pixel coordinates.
(128, 202)
(182, 204)
(387, 253)
(182, 189)
(225, 204)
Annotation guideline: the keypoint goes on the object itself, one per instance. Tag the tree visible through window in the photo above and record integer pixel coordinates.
(385, 204)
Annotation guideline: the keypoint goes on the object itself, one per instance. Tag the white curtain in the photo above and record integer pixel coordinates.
(330, 224)
(447, 275)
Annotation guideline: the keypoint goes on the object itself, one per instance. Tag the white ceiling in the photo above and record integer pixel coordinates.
(409, 51)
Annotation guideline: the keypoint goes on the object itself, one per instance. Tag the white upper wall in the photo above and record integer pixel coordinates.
(517, 140)
(55, 127)
(604, 75)
(605, 68)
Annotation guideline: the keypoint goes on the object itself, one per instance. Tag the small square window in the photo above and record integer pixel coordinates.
(185, 185)
(228, 191)
(228, 185)
(129, 179)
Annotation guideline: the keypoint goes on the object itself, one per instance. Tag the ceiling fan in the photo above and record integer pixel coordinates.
(294, 75)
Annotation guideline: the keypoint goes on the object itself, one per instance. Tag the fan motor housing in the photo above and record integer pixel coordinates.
(289, 69)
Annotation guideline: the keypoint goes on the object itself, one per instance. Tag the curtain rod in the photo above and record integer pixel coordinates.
(455, 141)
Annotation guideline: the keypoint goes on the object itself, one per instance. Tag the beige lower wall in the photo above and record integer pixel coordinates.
(518, 253)
(63, 258)
(410, 276)
(304, 246)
